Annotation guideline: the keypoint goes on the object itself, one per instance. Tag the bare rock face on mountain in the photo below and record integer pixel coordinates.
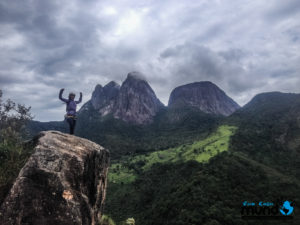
(104, 98)
(205, 96)
(133, 102)
(63, 182)
(136, 101)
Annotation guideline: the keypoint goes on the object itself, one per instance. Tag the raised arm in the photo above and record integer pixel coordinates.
(80, 99)
(60, 95)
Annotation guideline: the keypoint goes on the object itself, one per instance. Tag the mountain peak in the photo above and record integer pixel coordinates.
(205, 96)
(136, 102)
(204, 84)
(136, 76)
(103, 96)
(272, 99)
(112, 84)
(98, 87)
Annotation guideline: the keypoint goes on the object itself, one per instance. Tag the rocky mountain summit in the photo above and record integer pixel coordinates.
(205, 96)
(104, 98)
(63, 182)
(134, 101)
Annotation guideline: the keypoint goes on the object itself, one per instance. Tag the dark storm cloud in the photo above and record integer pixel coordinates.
(195, 62)
(283, 9)
(245, 47)
(6, 78)
(54, 43)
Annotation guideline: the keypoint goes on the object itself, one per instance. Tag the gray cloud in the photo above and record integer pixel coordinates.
(234, 54)
(283, 9)
(245, 47)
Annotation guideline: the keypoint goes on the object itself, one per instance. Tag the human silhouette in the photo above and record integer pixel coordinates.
(70, 108)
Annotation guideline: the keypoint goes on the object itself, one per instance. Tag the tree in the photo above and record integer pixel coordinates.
(13, 119)
(13, 154)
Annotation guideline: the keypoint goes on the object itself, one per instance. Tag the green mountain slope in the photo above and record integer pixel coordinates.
(196, 193)
(269, 131)
(126, 169)
(170, 128)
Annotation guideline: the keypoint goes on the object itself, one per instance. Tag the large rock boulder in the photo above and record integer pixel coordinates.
(63, 182)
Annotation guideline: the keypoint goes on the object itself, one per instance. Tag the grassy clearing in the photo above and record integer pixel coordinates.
(121, 173)
(126, 170)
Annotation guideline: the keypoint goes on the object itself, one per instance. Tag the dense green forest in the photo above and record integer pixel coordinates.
(197, 193)
(269, 131)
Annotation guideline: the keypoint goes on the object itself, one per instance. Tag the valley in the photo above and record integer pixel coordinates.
(126, 169)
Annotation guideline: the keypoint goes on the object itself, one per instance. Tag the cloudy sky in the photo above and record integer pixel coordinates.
(244, 46)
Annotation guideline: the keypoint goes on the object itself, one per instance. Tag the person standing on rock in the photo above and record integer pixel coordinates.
(70, 108)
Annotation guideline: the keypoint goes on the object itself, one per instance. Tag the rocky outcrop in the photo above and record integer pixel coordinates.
(205, 96)
(136, 101)
(133, 102)
(63, 182)
(103, 98)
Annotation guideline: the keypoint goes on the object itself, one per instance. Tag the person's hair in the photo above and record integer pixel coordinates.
(71, 94)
